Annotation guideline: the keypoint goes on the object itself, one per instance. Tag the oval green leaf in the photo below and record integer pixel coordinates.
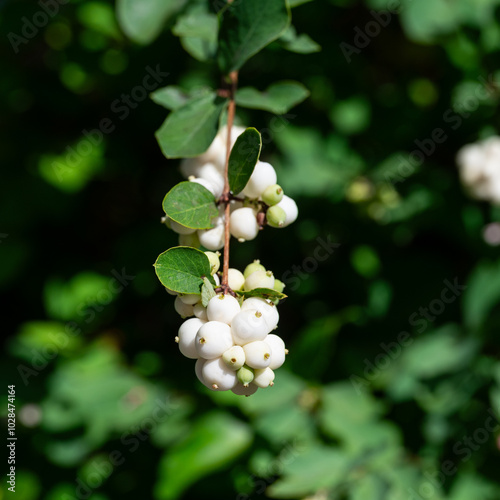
(278, 98)
(182, 269)
(189, 130)
(243, 157)
(191, 205)
(247, 27)
(263, 293)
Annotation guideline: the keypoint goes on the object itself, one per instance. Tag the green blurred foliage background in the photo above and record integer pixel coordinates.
(392, 386)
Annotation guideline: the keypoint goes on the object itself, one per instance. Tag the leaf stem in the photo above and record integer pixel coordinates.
(233, 77)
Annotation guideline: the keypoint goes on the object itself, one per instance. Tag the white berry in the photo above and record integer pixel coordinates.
(186, 337)
(200, 311)
(234, 357)
(278, 351)
(210, 173)
(259, 279)
(198, 369)
(212, 339)
(257, 354)
(262, 176)
(268, 310)
(190, 298)
(243, 224)
(212, 239)
(248, 326)
(240, 390)
(206, 184)
(290, 208)
(184, 310)
(263, 377)
(214, 260)
(235, 279)
(180, 229)
(218, 376)
(222, 308)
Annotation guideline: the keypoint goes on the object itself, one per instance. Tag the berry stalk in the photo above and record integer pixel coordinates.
(233, 77)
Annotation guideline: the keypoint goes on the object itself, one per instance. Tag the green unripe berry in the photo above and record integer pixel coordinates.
(279, 286)
(189, 240)
(213, 257)
(272, 194)
(254, 266)
(245, 375)
(276, 216)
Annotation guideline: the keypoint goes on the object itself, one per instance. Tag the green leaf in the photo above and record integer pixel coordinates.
(243, 157)
(214, 442)
(265, 293)
(278, 98)
(182, 269)
(143, 20)
(247, 27)
(301, 44)
(191, 205)
(296, 3)
(482, 294)
(189, 130)
(173, 97)
(198, 30)
(207, 292)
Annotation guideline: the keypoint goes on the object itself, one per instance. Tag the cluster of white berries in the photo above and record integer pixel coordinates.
(231, 338)
(479, 165)
(261, 199)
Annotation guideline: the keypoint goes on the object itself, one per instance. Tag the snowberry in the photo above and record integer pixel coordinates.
(263, 377)
(240, 390)
(216, 279)
(189, 240)
(206, 184)
(214, 260)
(262, 176)
(290, 208)
(248, 326)
(257, 354)
(251, 268)
(186, 337)
(198, 369)
(184, 310)
(234, 357)
(235, 279)
(272, 194)
(179, 228)
(278, 351)
(190, 298)
(279, 286)
(210, 173)
(269, 311)
(243, 224)
(218, 376)
(259, 279)
(222, 308)
(200, 311)
(245, 375)
(213, 239)
(276, 216)
(212, 339)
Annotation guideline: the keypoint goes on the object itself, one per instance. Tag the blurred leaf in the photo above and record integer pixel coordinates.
(243, 158)
(278, 98)
(173, 97)
(189, 130)
(265, 293)
(191, 205)
(301, 44)
(246, 28)
(69, 300)
(182, 269)
(143, 20)
(72, 170)
(214, 442)
(482, 294)
(100, 17)
(314, 469)
(469, 485)
(351, 116)
(198, 30)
